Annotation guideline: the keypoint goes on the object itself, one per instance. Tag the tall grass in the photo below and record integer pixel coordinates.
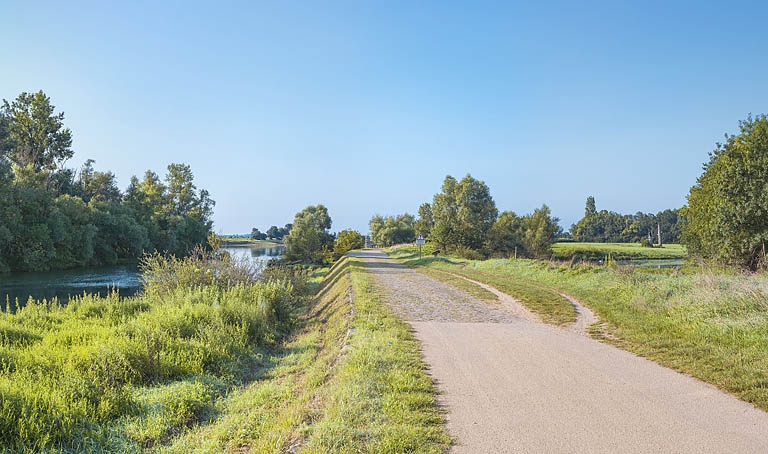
(121, 374)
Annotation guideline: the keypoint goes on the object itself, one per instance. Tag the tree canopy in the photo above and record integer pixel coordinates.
(611, 227)
(727, 209)
(53, 217)
(310, 239)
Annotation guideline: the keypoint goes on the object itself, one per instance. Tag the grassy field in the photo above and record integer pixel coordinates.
(617, 251)
(711, 325)
(126, 374)
(232, 240)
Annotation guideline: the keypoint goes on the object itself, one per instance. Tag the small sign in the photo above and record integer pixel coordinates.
(420, 241)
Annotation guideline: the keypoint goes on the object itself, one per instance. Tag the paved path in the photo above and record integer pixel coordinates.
(513, 384)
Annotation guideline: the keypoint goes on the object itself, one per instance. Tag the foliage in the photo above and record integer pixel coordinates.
(541, 230)
(347, 240)
(611, 227)
(309, 240)
(727, 207)
(34, 135)
(423, 225)
(505, 237)
(463, 213)
(53, 217)
(111, 374)
(256, 234)
(386, 231)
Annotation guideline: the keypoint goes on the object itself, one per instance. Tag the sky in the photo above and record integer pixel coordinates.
(366, 106)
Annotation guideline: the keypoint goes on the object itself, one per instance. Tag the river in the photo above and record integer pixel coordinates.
(125, 279)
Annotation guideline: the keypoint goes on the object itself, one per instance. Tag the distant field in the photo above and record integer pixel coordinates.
(618, 251)
(246, 240)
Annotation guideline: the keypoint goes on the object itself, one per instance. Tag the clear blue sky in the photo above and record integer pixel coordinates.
(366, 106)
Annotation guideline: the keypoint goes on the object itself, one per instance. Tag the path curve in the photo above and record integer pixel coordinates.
(513, 385)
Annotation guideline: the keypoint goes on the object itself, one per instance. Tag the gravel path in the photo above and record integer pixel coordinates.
(416, 297)
(512, 384)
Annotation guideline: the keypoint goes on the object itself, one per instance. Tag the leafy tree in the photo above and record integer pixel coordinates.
(34, 135)
(611, 227)
(274, 233)
(726, 212)
(309, 240)
(256, 234)
(347, 240)
(463, 213)
(506, 235)
(425, 222)
(386, 231)
(541, 231)
(284, 231)
(445, 214)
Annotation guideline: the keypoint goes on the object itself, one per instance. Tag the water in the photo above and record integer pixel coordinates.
(123, 279)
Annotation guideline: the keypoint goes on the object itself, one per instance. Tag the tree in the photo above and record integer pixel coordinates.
(463, 213)
(256, 234)
(390, 230)
(726, 211)
(309, 240)
(506, 235)
(34, 135)
(274, 233)
(347, 240)
(425, 222)
(541, 231)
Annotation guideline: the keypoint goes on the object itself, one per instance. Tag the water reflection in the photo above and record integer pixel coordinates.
(123, 279)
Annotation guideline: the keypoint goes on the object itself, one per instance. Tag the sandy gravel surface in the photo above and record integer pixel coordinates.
(512, 384)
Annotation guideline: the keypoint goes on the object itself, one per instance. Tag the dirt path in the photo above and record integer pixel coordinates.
(512, 384)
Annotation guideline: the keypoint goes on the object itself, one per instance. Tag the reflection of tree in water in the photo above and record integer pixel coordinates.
(268, 252)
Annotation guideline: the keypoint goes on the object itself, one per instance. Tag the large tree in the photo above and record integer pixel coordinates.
(541, 231)
(310, 240)
(34, 136)
(727, 210)
(390, 230)
(463, 213)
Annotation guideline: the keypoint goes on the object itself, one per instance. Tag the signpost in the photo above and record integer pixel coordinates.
(420, 241)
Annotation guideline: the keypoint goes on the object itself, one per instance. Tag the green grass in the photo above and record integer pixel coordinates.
(712, 325)
(112, 374)
(228, 240)
(617, 251)
(351, 380)
(548, 305)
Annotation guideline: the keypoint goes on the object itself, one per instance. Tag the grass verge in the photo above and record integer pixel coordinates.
(351, 380)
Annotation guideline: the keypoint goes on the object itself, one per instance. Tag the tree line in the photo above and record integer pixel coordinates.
(272, 233)
(611, 227)
(462, 218)
(55, 217)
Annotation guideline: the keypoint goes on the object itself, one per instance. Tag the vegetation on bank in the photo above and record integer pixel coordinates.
(710, 324)
(351, 380)
(124, 374)
(616, 251)
(54, 217)
(611, 227)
